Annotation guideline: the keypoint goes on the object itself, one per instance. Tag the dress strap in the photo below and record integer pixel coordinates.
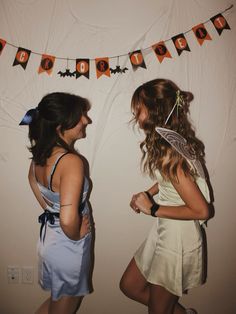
(54, 169)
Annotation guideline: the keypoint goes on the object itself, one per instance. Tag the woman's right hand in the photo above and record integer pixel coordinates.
(85, 227)
(133, 203)
(141, 202)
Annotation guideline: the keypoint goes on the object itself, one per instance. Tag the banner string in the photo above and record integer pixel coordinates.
(121, 55)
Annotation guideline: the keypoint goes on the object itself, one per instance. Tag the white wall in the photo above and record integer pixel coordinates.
(93, 29)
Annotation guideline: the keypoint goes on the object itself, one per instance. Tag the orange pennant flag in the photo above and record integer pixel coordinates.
(46, 64)
(161, 51)
(201, 33)
(102, 67)
(2, 45)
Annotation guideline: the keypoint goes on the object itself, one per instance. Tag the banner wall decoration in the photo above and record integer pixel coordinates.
(201, 33)
(180, 43)
(161, 51)
(22, 57)
(136, 59)
(82, 66)
(46, 64)
(2, 45)
(220, 23)
(102, 67)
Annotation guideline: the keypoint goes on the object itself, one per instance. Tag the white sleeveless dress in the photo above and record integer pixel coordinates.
(172, 256)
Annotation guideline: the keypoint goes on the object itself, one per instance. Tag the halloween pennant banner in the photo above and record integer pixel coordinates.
(2, 45)
(46, 64)
(220, 23)
(22, 57)
(201, 33)
(82, 67)
(136, 58)
(180, 43)
(102, 67)
(161, 51)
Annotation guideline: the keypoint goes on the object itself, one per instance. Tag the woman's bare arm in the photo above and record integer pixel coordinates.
(71, 184)
(196, 206)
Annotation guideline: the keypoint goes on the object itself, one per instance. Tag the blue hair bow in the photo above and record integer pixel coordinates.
(28, 117)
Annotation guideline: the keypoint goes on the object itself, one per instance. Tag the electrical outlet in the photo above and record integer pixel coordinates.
(13, 274)
(27, 274)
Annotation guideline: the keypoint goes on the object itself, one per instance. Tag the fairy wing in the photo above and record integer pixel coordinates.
(179, 143)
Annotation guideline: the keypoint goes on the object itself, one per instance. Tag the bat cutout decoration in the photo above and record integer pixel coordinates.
(66, 73)
(118, 70)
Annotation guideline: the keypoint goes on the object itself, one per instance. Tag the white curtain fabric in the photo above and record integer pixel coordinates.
(91, 29)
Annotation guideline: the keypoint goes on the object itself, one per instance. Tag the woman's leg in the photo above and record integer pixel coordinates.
(179, 309)
(66, 304)
(43, 309)
(161, 301)
(136, 287)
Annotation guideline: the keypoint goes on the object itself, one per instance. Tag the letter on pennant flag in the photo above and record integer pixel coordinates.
(46, 64)
(180, 43)
(220, 23)
(2, 45)
(22, 57)
(137, 60)
(102, 67)
(201, 33)
(161, 51)
(82, 68)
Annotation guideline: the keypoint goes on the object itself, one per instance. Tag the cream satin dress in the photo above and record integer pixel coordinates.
(172, 256)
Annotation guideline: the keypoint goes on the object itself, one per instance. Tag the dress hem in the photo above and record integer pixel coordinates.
(185, 291)
(80, 294)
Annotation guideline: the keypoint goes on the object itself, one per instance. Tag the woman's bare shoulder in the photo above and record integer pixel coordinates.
(71, 162)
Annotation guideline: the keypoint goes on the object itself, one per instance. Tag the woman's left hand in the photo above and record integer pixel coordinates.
(143, 203)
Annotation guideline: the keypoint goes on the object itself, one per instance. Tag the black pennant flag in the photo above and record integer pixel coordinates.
(180, 43)
(220, 23)
(82, 67)
(22, 57)
(137, 60)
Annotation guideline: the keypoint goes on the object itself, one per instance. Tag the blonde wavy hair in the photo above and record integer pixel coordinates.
(159, 98)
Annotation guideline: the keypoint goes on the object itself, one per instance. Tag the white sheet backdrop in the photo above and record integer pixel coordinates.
(77, 28)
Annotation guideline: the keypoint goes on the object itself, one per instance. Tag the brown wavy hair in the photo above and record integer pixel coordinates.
(159, 97)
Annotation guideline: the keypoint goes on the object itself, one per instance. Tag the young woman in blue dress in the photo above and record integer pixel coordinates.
(58, 181)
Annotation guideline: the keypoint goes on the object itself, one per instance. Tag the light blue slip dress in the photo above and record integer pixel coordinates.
(64, 264)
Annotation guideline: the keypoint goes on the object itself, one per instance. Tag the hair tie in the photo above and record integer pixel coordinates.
(178, 103)
(28, 117)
